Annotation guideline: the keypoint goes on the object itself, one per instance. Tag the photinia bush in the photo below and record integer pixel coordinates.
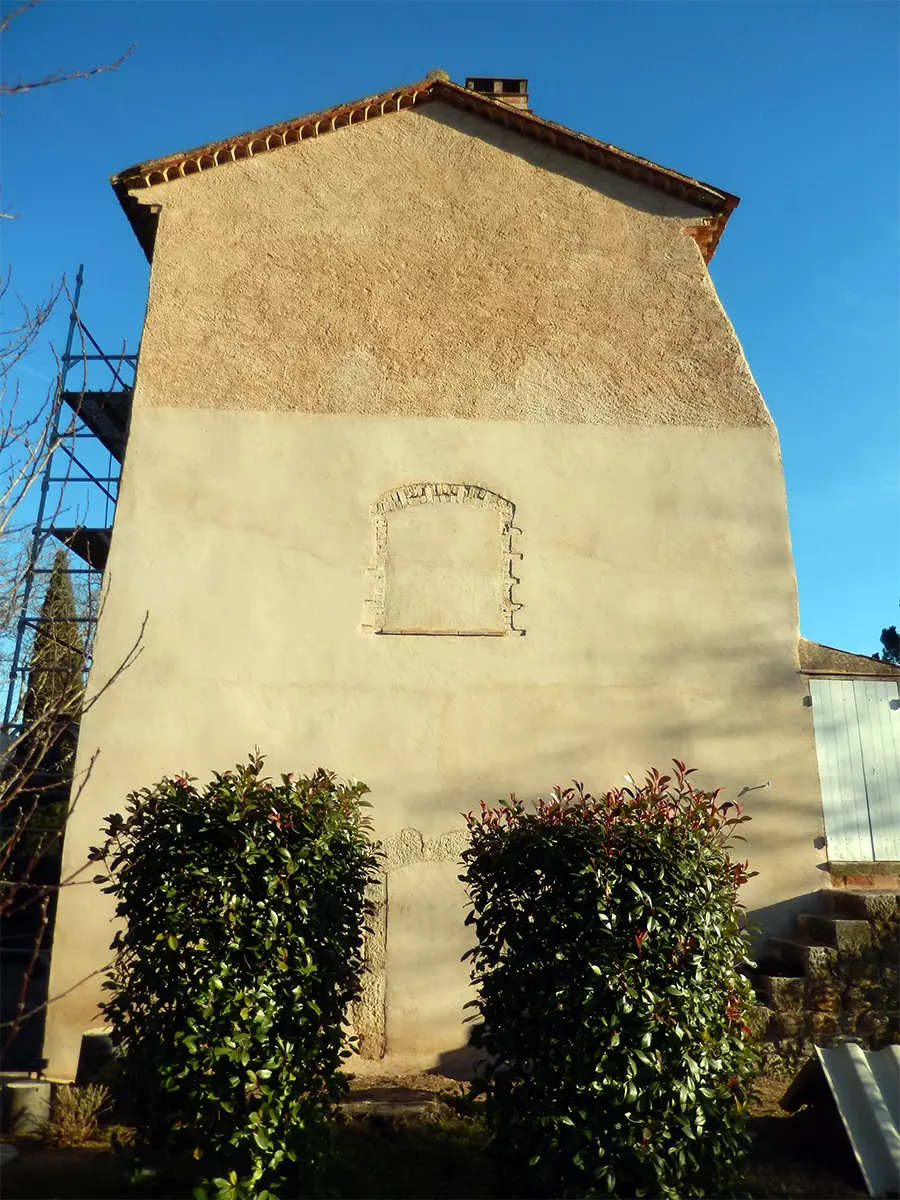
(243, 902)
(610, 995)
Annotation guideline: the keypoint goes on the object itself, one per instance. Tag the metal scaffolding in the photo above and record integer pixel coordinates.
(87, 431)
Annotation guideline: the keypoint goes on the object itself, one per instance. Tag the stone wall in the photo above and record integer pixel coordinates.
(836, 978)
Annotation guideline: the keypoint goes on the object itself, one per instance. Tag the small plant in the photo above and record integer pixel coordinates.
(75, 1113)
(613, 1006)
(244, 903)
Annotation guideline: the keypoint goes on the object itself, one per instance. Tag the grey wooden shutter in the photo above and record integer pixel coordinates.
(857, 728)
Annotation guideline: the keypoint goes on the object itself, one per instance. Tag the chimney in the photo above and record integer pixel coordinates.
(510, 91)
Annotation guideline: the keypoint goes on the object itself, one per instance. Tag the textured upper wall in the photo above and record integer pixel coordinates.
(430, 264)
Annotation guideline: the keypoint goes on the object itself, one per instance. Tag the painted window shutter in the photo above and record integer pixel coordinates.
(857, 729)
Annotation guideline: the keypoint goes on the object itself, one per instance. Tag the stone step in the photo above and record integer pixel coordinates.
(783, 993)
(859, 905)
(794, 994)
(806, 1028)
(821, 1027)
(818, 961)
(845, 934)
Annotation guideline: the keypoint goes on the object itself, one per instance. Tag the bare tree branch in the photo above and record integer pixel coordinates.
(22, 1000)
(40, 1007)
(16, 12)
(58, 76)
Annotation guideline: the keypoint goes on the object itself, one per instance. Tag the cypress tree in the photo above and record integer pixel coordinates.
(51, 710)
(56, 668)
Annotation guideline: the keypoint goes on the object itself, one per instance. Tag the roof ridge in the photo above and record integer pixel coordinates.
(153, 172)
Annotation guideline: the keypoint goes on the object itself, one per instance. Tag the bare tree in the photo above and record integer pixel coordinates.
(38, 789)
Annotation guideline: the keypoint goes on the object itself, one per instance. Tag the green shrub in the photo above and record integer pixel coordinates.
(612, 1004)
(244, 903)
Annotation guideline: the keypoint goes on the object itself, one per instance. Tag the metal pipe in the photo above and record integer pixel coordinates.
(90, 477)
(105, 357)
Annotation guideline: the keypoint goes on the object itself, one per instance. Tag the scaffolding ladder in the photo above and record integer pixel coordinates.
(85, 448)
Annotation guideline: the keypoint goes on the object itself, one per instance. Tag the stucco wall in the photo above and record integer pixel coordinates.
(320, 333)
(431, 264)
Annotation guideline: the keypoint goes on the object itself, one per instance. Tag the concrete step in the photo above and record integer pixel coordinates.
(391, 1102)
(845, 934)
(817, 961)
(861, 905)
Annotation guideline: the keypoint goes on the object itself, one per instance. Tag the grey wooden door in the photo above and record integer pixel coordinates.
(857, 727)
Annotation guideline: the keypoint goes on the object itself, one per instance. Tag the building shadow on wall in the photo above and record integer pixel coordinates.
(559, 162)
(457, 1064)
(728, 703)
(725, 698)
(778, 919)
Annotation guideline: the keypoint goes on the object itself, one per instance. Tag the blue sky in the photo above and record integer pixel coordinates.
(793, 106)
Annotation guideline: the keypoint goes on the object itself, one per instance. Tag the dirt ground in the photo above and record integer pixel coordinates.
(801, 1155)
(439, 1154)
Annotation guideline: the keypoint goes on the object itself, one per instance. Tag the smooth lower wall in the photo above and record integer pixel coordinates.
(656, 592)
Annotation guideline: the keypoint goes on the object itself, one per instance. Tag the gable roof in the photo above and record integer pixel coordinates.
(143, 217)
(816, 659)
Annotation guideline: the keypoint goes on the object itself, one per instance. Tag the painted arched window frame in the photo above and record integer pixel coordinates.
(472, 496)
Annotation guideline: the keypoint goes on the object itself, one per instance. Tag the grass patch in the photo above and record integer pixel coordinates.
(385, 1158)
